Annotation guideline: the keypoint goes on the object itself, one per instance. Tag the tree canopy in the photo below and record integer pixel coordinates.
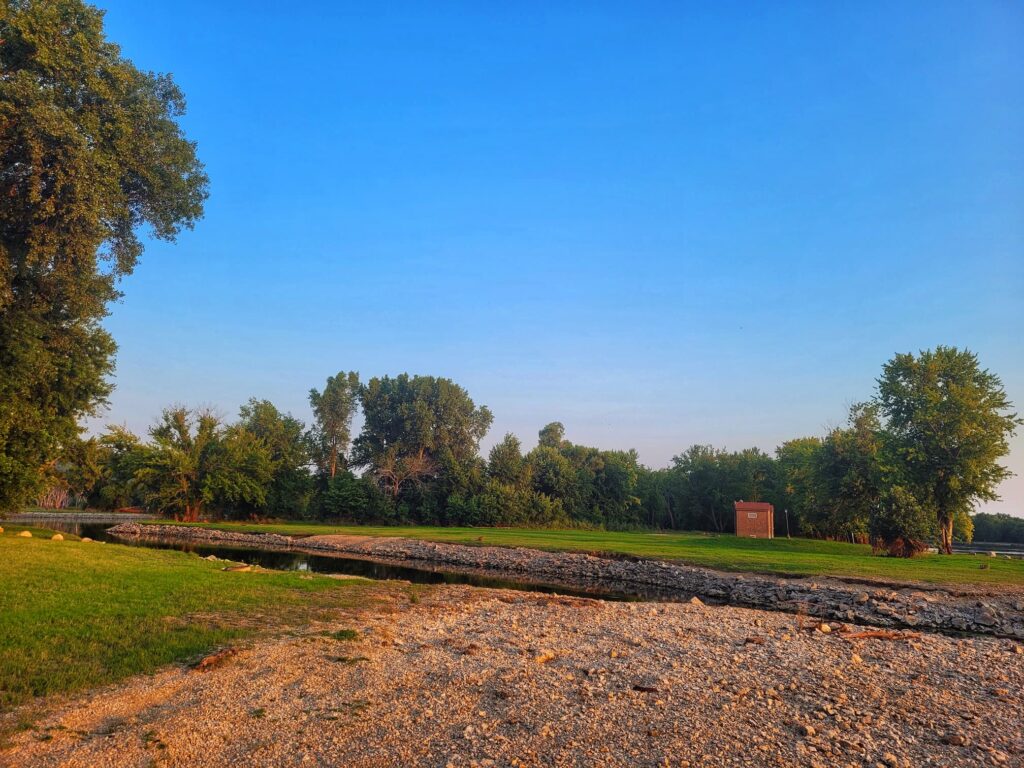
(90, 151)
(333, 410)
(413, 425)
(949, 422)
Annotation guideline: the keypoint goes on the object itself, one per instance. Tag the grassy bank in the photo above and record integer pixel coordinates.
(75, 615)
(804, 557)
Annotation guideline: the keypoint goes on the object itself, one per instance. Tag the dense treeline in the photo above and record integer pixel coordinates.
(417, 460)
(998, 527)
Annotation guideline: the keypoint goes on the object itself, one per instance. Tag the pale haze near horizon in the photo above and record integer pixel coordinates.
(662, 226)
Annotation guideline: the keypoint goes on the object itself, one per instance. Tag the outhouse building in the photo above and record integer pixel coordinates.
(755, 519)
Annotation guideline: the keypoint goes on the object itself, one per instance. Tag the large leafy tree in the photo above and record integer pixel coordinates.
(414, 427)
(593, 486)
(850, 477)
(698, 488)
(949, 422)
(290, 487)
(196, 462)
(552, 435)
(506, 464)
(122, 455)
(333, 410)
(656, 500)
(553, 475)
(90, 151)
(796, 461)
(703, 483)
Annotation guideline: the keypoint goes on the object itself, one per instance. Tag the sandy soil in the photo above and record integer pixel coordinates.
(470, 677)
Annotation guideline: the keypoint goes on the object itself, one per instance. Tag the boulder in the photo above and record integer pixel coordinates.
(986, 616)
(57, 537)
(25, 535)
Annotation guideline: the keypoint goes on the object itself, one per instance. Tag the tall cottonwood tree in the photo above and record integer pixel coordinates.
(949, 422)
(90, 151)
(414, 426)
(333, 410)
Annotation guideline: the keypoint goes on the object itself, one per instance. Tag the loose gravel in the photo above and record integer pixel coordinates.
(467, 677)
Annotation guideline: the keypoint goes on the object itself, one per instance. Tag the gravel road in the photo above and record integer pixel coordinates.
(472, 677)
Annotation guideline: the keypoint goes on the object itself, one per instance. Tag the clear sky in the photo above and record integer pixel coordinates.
(659, 223)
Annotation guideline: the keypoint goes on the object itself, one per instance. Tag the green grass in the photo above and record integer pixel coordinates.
(344, 634)
(12, 529)
(802, 557)
(74, 615)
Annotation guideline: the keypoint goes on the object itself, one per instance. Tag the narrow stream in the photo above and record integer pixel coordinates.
(284, 560)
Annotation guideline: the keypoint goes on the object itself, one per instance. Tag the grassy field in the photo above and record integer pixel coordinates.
(804, 557)
(75, 615)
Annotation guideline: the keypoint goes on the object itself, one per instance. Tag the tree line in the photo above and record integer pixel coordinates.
(998, 527)
(905, 470)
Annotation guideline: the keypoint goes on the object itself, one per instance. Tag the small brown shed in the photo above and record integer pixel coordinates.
(755, 519)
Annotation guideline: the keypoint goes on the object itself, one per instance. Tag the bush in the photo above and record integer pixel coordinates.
(900, 526)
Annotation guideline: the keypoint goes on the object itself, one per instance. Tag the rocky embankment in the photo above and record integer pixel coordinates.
(927, 608)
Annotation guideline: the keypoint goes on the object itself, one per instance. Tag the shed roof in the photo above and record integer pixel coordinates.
(753, 506)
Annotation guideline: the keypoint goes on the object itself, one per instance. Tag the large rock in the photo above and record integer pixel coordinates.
(25, 535)
(57, 537)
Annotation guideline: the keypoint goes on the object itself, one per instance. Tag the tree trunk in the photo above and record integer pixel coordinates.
(948, 536)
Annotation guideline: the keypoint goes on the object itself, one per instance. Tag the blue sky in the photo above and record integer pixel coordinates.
(660, 224)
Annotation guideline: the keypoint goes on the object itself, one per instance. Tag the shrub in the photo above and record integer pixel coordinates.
(900, 526)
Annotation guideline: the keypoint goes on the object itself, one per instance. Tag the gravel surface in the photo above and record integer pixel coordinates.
(474, 677)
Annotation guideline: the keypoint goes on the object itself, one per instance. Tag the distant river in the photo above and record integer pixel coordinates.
(984, 547)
